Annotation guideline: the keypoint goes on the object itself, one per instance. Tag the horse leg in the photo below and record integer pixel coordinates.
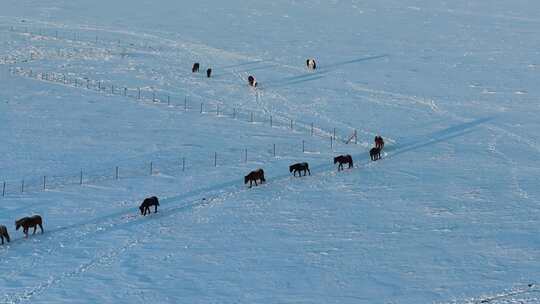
(309, 171)
(2, 237)
(155, 210)
(35, 228)
(41, 227)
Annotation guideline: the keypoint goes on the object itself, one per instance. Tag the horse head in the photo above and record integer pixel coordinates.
(142, 209)
(336, 159)
(246, 179)
(291, 168)
(18, 224)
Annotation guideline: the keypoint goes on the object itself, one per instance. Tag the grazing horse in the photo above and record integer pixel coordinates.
(29, 222)
(147, 203)
(252, 82)
(209, 73)
(343, 159)
(310, 63)
(253, 176)
(4, 234)
(299, 168)
(195, 67)
(379, 142)
(375, 153)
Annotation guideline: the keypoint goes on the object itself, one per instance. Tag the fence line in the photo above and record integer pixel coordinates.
(150, 168)
(143, 94)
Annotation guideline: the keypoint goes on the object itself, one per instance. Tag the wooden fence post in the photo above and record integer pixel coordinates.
(311, 129)
(291, 124)
(125, 91)
(4, 189)
(151, 168)
(355, 137)
(234, 113)
(154, 96)
(116, 176)
(183, 164)
(251, 117)
(303, 147)
(274, 150)
(215, 159)
(271, 121)
(331, 142)
(139, 93)
(201, 107)
(168, 100)
(81, 178)
(22, 186)
(44, 183)
(185, 104)
(245, 155)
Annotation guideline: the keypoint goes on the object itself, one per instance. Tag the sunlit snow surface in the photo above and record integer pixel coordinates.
(449, 215)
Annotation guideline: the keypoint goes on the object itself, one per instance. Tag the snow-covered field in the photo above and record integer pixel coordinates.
(449, 215)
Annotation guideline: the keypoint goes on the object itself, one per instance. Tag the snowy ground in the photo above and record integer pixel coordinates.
(450, 215)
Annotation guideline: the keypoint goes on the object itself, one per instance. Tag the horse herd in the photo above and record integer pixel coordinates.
(253, 177)
(252, 82)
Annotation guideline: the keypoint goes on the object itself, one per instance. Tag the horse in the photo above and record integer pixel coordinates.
(147, 203)
(253, 176)
(29, 222)
(209, 73)
(343, 159)
(310, 63)
(375, 153)
(252, 82)
(379, 142)
(195, 67)
(4, 234)
(299, 168)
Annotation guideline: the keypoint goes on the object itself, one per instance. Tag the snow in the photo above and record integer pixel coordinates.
(449, 215)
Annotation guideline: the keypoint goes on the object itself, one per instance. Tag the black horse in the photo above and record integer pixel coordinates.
(299, 168)
(379, 142)
(147, 203)
(253, 176)
(209, 73)
(195, 67)
(343, 159)
(375, 153)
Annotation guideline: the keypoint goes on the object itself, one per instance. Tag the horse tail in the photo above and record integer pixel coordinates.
(262, 176)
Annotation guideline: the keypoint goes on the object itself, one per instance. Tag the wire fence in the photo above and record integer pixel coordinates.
(149, 95)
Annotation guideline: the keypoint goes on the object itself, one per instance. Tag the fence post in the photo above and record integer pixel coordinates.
(151, 168)
(183, 164)
(251, 117)
(303, 147)
(185, 104)
(234, 113)
(154, 96)
(291, 124)
(168, 100)
(88, 83)
(112, 89)
(245, 155)
(116, 176)
(331, 143)
(335, 134)
(4, 189)
(355, 137)
(270, 120)
(80, 180)
(215, 159)
(22, 186)
(201, 107)
(99, 85)
(311, 129)
(274, 150)
(44, 182)
(217, 110)
(139, 95)
(125, 91)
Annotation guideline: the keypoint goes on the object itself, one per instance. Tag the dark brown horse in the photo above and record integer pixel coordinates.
(147, 203)
(379, 142)
(29, 222)
(4, 234)
(254, 176)
(300, 167)
(343, 159)
(375, 154)
(209, 73)
(195, 67)
(252, 82)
